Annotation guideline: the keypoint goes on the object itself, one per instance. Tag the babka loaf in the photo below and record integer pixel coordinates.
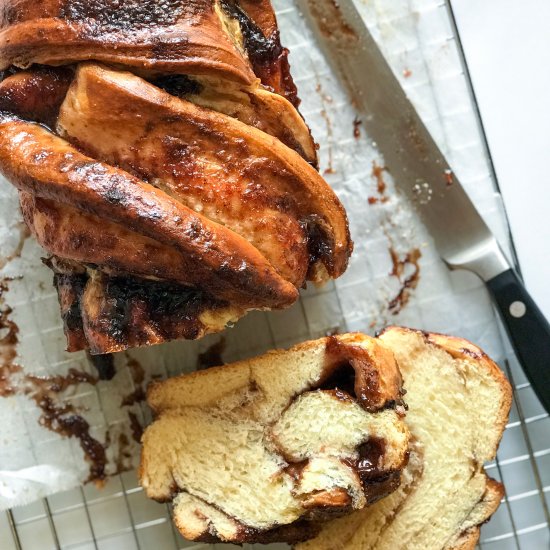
(458, 403)
(267, 449)
(163, 164)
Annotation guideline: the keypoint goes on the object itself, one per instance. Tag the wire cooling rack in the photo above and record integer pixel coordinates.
(118, 516)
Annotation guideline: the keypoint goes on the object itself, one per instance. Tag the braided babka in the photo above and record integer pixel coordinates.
(162, 162)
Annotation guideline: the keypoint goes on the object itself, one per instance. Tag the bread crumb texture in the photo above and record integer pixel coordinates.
(458, 407)
(267, 449)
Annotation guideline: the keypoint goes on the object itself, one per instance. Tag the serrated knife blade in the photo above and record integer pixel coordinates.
(422, 173)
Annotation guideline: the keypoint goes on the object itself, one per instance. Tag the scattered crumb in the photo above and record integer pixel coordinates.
(449, 179)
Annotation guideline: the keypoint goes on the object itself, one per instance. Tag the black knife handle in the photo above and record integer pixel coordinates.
(528, 329)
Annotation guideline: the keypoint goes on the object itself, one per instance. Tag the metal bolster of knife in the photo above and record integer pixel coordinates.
(485, 258)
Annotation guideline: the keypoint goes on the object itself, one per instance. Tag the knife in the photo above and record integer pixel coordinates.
(462, 238)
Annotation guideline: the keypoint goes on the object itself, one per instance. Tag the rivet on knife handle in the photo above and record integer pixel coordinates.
(527, 328)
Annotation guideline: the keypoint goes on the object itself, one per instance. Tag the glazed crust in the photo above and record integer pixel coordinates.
(171, 36)
(166, 37)
(38, 162)
(256, 186)
(37, 94)
(70, 233)
(261, 42)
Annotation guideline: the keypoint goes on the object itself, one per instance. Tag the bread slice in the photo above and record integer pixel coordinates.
(458, 407)
(265, 449)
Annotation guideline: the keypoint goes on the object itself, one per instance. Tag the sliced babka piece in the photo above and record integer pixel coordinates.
(268, 448)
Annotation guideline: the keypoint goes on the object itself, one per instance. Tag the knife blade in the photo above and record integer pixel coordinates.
(422, 173)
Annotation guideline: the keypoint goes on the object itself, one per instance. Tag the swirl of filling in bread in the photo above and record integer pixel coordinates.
(268, 449)
(458, 405)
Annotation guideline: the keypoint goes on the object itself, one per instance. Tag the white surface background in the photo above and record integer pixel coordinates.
(507, 47)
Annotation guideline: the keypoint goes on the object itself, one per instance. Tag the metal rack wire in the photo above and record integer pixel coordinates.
(119, 516)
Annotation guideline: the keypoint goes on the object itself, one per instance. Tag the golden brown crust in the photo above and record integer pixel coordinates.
(38, 162)
(375, 387)
(171, 36)
(121, 119)
(75, 235)
(252, 105)
(269, 60)
(158, 397)
(37, 94)
(261, 12)
(167, 37)
(259, 187)
(214, 191)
